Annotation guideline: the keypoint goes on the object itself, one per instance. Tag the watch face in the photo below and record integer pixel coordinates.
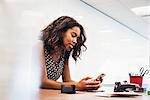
(68, 89)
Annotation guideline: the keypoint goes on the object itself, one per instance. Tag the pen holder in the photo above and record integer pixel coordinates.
(136, 80)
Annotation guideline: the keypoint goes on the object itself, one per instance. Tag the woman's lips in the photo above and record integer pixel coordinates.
(71, 46)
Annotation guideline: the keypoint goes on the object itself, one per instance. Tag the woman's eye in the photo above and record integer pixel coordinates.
(73, 35)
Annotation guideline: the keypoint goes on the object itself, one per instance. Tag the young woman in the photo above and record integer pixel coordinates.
(60, 39)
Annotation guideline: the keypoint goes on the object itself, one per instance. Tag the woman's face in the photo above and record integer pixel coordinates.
(70, 37)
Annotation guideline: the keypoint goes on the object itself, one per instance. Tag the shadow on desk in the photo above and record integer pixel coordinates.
(48, 94)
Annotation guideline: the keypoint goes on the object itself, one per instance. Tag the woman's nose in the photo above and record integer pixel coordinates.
(75, 40)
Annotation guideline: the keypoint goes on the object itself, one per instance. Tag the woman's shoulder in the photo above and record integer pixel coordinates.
(39, 45)
(38, 50)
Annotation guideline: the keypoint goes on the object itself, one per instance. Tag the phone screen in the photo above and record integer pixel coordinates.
(100, 77)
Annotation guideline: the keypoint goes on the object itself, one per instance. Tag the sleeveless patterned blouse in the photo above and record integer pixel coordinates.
(54, 69)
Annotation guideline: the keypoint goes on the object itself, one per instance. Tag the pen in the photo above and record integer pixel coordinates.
(129, 74)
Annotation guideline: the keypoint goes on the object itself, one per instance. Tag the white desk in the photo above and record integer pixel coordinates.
(46, 94)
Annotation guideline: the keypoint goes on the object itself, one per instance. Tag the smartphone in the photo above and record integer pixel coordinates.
(100, 77)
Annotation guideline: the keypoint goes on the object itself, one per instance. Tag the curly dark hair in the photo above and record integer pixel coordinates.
(52, 36)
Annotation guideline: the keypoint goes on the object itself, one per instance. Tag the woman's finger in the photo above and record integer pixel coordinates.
(86, 78)
(93, 82)
(92, 87)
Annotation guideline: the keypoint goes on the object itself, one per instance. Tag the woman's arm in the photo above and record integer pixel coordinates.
(66, 77)
(84, 84)
(45, 82)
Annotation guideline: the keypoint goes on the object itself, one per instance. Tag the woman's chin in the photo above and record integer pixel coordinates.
(69, 48)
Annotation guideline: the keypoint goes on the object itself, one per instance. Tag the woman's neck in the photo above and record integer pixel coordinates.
(56, 56)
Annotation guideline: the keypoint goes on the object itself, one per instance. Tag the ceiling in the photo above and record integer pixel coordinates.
(136, 3)
(120, 11)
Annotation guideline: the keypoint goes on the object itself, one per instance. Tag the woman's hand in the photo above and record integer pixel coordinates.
(88, 84)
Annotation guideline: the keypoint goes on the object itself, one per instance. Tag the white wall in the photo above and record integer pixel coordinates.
(112, 48)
